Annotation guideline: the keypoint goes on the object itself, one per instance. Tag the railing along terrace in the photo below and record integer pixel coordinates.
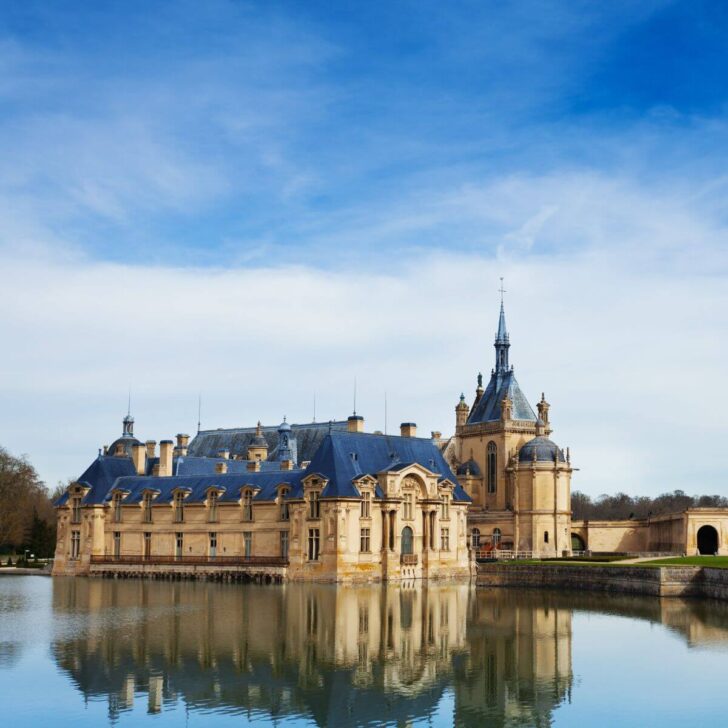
(491, 554)
(192, 560)
(408, 559)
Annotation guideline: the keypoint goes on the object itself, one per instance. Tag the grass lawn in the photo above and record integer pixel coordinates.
(718, 562)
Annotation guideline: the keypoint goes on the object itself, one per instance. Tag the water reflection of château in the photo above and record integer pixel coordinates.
(339, 656)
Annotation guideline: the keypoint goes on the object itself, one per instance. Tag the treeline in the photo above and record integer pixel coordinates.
(622, 506)
(27, 516)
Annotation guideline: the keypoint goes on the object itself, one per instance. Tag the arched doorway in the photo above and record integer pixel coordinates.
(475, 540)
(707, 540)
(577, 542)
(407, 540)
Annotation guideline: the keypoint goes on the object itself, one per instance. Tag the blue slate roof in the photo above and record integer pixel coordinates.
(305, 440)
(341, 458)
(346, 456)
(488, 408)
(545, 450)
(264, 483)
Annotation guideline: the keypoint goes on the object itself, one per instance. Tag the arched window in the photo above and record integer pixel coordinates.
(407, 540)
(492, 467)
(475, 540)
(496, 537)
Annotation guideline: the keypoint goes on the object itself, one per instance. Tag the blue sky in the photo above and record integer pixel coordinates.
(257, 201)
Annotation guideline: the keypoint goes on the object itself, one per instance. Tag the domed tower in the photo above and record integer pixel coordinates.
(540, 476)
(122, 446)
(258, 447)
(284, 451)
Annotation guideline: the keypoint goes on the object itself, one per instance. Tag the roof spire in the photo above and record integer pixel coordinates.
(128, 421)
(502, 342)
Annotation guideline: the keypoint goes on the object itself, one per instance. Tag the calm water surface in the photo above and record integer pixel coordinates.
(132, 653)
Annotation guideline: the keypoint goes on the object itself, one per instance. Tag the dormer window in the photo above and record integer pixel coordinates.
(284, 506)
(247, 505)
(147, 507)
(116, 505)
(445, 507)
(212, 499)
(179, 507)
(76, 509)
(314, 504)
(366, 505)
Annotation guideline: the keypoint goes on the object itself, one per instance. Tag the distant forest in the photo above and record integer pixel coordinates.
(622, 506)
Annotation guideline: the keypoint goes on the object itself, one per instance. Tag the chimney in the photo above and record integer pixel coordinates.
(286, 464)
(254, 466)
(182, 442)
(436, 435)
(151, 446)
(355, 423)
(165, 458)
(139, 458)
(408, 429)
(221, 468)
(224, 453)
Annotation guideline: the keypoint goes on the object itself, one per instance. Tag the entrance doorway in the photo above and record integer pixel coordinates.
(707, 540)
(406, 540)
(577, 542)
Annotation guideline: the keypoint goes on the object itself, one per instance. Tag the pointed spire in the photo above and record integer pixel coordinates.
(502, 342)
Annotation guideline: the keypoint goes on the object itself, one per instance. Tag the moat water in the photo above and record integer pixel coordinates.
(90, 652)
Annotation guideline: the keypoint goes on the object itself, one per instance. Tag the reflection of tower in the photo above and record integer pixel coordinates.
(519, 664)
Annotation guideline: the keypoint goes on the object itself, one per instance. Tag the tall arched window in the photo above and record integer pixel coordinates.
(496, 537)
(492, 467)
(475, 540)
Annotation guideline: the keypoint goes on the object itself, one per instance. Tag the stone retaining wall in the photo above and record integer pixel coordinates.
(679, 581)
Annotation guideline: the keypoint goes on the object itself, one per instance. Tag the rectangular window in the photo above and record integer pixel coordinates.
(117, 544)
(212, 506)
(314, 540)
(366, 505)
(545, 536)
(178, 545)
(117, 507)
(284, 545)
(247, 544)
(75, 544)
(76, 510)
(445, 539)
(147, 508)
(179, 508)
(285, 513)
(408, 506)
(213, 545)
(248, 506)
(147, 545)
(364, 541)
(445, 507)
(314, 504)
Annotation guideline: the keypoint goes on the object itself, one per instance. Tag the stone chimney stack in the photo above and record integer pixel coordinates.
(224, 453)
(139, 458)
(286, 464)
(221, 468)
(408, 429)
(151, 446)
(165, 458)
(253, 466)
(355, 423)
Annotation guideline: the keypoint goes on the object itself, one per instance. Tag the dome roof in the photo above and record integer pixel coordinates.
(126, 441)
(284, 426)
(469, 468)
(545, 450)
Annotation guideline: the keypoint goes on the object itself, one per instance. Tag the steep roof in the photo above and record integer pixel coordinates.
(305, 440)
(488, 408)
(346, 456)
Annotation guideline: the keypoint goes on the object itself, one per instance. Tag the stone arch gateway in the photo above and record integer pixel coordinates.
(707, 540)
